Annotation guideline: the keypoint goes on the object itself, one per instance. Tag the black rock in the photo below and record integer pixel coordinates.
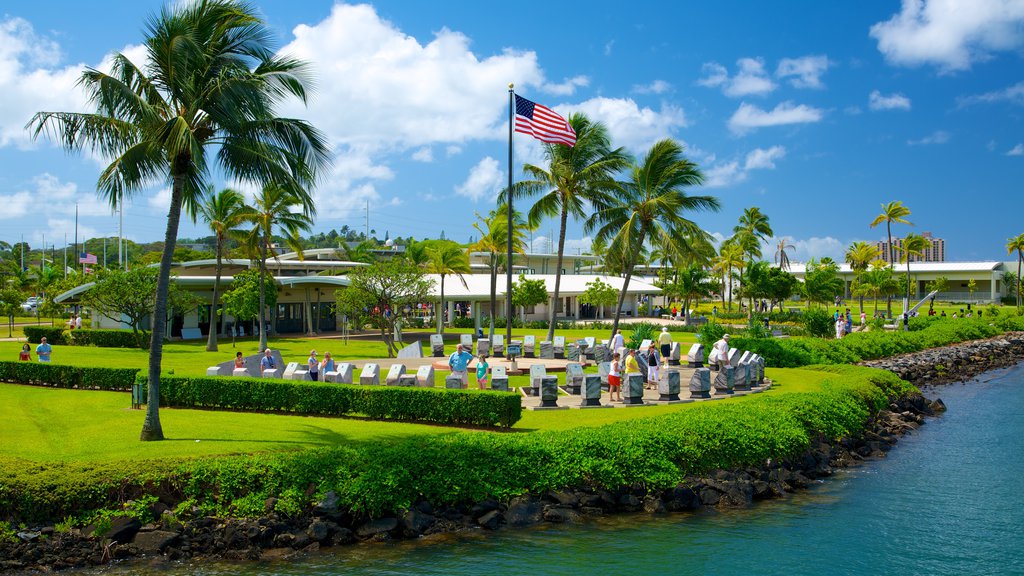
(415, 522)
(490, 520)
(320, 531)
(374, 528)
(122, 529)
(523, 511)
(156, 541)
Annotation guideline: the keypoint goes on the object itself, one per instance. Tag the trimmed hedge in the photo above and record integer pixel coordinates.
(108, 338)
(67, 376)
(53, 334)
(461, 407)
(390, 476)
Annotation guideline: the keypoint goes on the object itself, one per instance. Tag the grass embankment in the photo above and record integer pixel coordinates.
(376, 467)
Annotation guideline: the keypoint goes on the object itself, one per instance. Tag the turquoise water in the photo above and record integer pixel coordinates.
(947, 500)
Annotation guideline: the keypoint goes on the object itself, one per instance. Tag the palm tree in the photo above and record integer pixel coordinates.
(574, 178)
(205, 99)
(913, 245)
(444, 260)
(223, 211)
(694, 283)
(272, 210)
(730, 257)
(1016, 244)
(891, 212)
(650, 206)
(859, 255)
(752, 230)
(781, 258)
(494, 241)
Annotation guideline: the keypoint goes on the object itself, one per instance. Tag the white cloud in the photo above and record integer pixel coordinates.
(734, 172)
(452, 150)
(608, 47)
(630, 125)
(1017, 150)
(50, 195)
(876, 101)
(567, 86)
(60, 226)
(1013, 94)
(425, 154)
(656, 87)
(937, 137)
(161, 200)
(751, 79)
(948, 34)
(806, 248)
(748, 117)
(485, 180)
(803, 72)
(399, 92)
(31, 81)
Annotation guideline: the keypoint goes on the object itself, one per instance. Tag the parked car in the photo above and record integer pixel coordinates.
(31, 304)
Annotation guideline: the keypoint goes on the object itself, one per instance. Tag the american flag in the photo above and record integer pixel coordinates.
(86, 258)
(542, 123)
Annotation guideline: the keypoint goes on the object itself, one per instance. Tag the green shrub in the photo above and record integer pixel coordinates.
(53, 334)
(67, 376)
(710, 333)
(819, 322)
(110, 338)
(461, 407)
(641, 331)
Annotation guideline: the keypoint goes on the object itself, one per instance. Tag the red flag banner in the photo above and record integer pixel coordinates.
(85, 258)
(543, 123)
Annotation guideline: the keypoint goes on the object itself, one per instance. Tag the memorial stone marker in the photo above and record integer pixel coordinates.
(668, 386)
(394, 373)
(483, 346)
(499, 344)
(537, 372)
(407, 380)
(602, 354)
(437, 345)
(345, 370)
(547, 350)
(452, 381)
(467, 342)
(240, 372)
(529, 346)
(633, 389)
(549, 392)
(414, 350)
(425, 376)
(572, 352)
(675, 354)
(591, 390)
(700, 383)
(745, 357)
(559, 346)
(289, 370)
(734, 357)
(499, 378)
(695, 357)
(573, 377)
(742, 376)
(603, 369)
(214, 371)
(370, 374)
(725, 381)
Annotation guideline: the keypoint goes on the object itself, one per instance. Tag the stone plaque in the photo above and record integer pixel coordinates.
(573, 377)
(300, 374)
(345, 370)
(331, 376)
(452, 381)
(549, 392)
(414, 350)
(695, 357)
(700, 383)
(603, 369)
(537, 372)
(529, 345)
(499, 384)
(591, 390)
(290, 369)
(725, 381)
(645, 344)
(668, 386)
(407, 380)
(467, 342)
(633, 389)
(483, 346)
(425, 376)
(547, 350)
(602, 354)
(498, 344)
(240, 372)
(745, 357)
(558, 344)
(272, 373)
(214, 371)
(591, 342)
(734, 357)
(394, 373)
(437, 345)
(572, 352)
(760, 371)
(675, 354)
(498, 372)
(370, 374)
(742, 376)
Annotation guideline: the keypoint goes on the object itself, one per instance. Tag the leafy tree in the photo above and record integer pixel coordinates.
(494, 241)
(242, 301)
(447, 259)
(939, 284)
(913, 245)
(692, 284)
(389, 286)
(224, 212)
(272, 210)
(752, 230)
(132, 295)
(203, 101)
(781, 258)
(859, 256)
(821, 281)
(599, 293)
(527, 292)
(730, 257)
(650, 205)
(763, 281)
(10, 304)
(891, 212)
(972, 285)
(1016, 244)
(575, 178)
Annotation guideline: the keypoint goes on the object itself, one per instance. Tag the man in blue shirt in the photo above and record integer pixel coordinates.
(43, 351)
(267, 362)
(458, 362)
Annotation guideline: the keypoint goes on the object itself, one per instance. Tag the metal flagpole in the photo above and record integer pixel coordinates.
(508, 261)
(76, 230)
(120, 240)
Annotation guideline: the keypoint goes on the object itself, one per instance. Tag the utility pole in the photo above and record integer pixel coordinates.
(76, 235)
(367, 219)
(121, 260)
(42, 252)
(22, 252)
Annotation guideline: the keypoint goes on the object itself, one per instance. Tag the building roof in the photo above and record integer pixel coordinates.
(478, 286)
(921, 267)
(207, 282)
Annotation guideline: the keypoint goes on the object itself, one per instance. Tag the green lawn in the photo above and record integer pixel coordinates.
(46, 424)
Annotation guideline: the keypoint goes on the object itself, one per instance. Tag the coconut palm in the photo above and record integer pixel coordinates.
(730, 257)
(892, 212)
(650, 205)
(781, 258)
(444, 260)
(493, 240)
(204, 99)
(574, 179)
(1016, 244)
(859, 256)
(223, 212)
(752, 230)
(274, 210)
(913, 245)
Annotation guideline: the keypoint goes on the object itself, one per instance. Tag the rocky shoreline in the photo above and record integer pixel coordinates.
(276, 535)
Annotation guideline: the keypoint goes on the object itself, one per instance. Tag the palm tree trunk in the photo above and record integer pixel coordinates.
(211, 340)
(892, 265)
(622, 294)
(729, 272)
(441, 310)
(1020, 258)
(151, 429)
(494, 294)
(558, 273)
(263, 294)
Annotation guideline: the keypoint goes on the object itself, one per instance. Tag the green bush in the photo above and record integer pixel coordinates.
(641, 331)
(387, 477)
(819, 322)
(53, 334)
(461, 407)
(67, 376)
(710, 333)
(110, 338)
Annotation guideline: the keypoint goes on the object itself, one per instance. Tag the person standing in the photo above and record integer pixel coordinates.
(840, 324)
(43, 351)
(665, 341)
(632, 366)
(863, 318)
(267, 362)
(71, 322)
(458, 362)
(614, 380)
(720, 351)
(481, 372)
(239, 360)
(26, 353)
(78, 321)
(314, 366)
(652, 367)
(618, 341)
(327, 364)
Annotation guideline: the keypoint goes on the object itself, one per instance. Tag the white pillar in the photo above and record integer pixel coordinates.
(476, 314)
(451, 312)
(992, 288)
(575, 307)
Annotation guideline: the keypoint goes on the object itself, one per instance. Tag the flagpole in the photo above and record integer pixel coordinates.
(76, 231)
(509, 231)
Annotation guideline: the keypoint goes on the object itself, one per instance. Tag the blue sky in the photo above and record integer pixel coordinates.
(817, 112)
